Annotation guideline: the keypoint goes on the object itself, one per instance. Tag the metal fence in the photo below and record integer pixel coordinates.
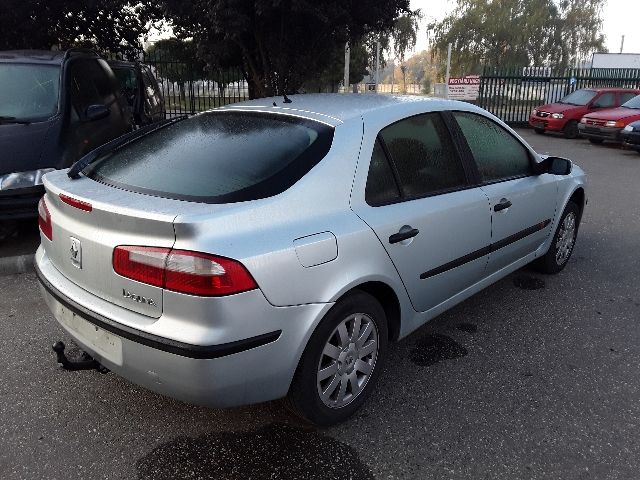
(511, 94)
(188, 87)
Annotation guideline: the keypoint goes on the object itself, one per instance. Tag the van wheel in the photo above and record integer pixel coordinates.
(563, 241)
(342, 362)
(570, 130)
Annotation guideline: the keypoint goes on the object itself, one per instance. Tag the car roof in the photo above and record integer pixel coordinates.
(49, 57)
(611, 89)
(338, 108)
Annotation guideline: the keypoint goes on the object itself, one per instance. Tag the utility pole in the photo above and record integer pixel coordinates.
(446, 81)
(622, 44)
(377, 64)
(347, 55)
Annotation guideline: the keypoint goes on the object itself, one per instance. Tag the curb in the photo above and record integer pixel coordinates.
(17, 264)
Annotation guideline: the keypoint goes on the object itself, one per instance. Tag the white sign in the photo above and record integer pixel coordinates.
(616, 60)
(465, 88)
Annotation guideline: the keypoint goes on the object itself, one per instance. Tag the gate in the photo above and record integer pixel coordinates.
(511, 94)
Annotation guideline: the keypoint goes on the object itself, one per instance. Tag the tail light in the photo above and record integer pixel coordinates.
(44, 219)
(183, 271)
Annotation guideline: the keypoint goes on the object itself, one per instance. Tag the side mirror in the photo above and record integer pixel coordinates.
(97, 112)
(554, 166)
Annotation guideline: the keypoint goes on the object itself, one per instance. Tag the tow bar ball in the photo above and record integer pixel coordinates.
(86, 362)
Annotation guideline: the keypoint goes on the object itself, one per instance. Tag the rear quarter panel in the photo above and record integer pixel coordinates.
(261, 233)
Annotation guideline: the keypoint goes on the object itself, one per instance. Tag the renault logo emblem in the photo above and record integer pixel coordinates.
(76, 252)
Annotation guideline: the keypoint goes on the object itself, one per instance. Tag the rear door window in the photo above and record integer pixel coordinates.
(498, 154)
(606, 100)
(423, 153)
(218, 157)
(381, 185)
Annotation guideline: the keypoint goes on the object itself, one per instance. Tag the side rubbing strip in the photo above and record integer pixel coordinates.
(486, 250)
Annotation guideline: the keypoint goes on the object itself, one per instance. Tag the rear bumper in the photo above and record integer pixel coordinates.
(20, 203)
(600, 133)
(547, 123)
(250, 370)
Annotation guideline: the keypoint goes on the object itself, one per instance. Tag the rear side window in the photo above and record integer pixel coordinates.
(497, 153)
(381, 186)
(424, 155)
(218, 157)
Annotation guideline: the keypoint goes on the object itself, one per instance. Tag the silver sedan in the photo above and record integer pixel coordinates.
(272, 249)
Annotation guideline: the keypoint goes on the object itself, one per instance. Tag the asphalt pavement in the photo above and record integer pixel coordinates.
(536, 377)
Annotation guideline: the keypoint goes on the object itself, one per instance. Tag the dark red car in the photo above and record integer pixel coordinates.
(609, 124)
(564, 115)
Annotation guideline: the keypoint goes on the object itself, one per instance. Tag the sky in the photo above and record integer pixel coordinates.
(620, 18)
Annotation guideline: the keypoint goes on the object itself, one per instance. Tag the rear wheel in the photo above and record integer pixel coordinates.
(539, 131)
(563, 241)
(342, 361)
(570, 130)
(596, 141)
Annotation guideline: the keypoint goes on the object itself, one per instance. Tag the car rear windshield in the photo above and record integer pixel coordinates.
(633, 103)
(28, 92)
(579, 97)
(218, 157)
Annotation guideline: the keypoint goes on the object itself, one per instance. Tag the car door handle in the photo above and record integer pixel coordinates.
(504, 204)
(400, 236)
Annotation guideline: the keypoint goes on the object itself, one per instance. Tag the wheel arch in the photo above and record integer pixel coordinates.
(389, 301)
(579, 198)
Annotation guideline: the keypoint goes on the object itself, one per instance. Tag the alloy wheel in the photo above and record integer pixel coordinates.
(566, 238)
(347, 360)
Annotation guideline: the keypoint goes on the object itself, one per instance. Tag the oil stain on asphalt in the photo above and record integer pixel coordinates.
(433, 348)
(525, 282)
(274, 451)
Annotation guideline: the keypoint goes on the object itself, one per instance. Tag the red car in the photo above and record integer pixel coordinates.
(609, 124)
(564, 115)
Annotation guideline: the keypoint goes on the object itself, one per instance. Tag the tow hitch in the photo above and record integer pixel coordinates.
(86, 363)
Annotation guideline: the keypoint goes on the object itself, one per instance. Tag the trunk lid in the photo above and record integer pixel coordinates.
(83, 242)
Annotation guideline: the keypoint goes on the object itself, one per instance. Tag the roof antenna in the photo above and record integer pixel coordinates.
(287, 99)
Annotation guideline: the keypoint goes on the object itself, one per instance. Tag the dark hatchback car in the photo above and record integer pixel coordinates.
(630, 136)
(141, 89)
(54, 108)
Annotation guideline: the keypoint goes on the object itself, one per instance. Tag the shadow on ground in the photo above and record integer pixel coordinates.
(274, 451)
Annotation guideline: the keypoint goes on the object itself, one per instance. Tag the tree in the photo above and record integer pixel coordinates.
(115, 26)
(281, 43)
(177, 62)
(332, 75)
(510, 33)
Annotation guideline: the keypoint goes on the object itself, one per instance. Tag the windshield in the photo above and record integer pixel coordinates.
(579, 97)
(633, 103)
(28, 92)
(218, 157)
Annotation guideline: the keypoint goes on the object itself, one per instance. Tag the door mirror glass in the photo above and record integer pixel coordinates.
(554, 166)
(96, 112)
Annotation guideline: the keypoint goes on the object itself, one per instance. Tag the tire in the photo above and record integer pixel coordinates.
(561, 247)
(539, 131)
(570, 130)
(596, 141)
(344, 364)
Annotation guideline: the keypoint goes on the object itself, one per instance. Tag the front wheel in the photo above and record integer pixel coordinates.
(342, 361)
(570, 130)
(563, 241)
